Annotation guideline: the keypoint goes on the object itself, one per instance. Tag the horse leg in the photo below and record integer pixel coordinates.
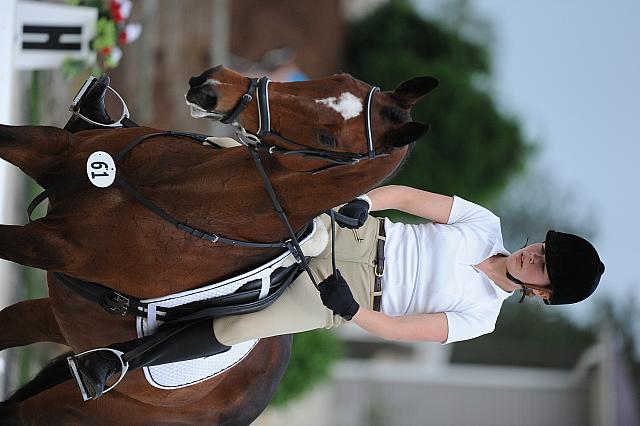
(36, 150)
(37, 244)
(49, 399)
(27, 322)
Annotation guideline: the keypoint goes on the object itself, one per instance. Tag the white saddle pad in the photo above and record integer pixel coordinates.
(186, 373)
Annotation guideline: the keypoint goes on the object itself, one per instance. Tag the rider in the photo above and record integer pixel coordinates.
(442, 281)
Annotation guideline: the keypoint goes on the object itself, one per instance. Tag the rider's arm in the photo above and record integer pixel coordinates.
(420, 327)
(429, 205)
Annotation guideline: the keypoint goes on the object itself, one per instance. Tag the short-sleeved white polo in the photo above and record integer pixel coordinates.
(429, 269)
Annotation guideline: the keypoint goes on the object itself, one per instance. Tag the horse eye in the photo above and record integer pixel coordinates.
(327, 140)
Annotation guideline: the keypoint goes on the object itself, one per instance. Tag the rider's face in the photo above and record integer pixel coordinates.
(528, 265)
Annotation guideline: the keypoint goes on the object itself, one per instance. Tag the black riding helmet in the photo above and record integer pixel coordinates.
(573, 265)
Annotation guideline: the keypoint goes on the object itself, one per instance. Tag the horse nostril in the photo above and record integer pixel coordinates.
(202, 97)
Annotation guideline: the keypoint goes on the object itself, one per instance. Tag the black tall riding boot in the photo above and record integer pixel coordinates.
(92, 106)
(92, 369)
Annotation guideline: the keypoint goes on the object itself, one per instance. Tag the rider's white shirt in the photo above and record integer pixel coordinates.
(429, 269)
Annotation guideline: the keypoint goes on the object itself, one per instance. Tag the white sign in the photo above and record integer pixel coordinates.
(46, 34)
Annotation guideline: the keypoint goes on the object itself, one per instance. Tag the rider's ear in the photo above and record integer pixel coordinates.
(411, 91)
(405, 134)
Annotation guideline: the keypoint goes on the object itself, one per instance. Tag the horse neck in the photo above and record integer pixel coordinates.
(224, 193)
(305, 195)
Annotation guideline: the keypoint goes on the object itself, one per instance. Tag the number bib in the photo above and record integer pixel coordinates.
(101, 169)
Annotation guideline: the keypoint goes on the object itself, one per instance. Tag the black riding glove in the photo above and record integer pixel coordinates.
(357, 209)
(336, 295)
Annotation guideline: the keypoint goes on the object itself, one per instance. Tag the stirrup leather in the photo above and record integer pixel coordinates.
(78, 378)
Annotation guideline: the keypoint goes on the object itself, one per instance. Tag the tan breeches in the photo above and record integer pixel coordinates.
(300, 308)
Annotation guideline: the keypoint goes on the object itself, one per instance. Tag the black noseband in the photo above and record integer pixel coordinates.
(243, 102)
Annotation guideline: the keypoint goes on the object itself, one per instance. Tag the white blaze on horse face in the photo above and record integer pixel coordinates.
(348, 105)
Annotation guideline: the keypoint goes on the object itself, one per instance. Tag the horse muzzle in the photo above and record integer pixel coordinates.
(204, 96)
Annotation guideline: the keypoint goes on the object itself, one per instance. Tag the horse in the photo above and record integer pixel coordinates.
(317, 156)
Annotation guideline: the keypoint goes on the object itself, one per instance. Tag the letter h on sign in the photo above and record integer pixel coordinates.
(54, 37)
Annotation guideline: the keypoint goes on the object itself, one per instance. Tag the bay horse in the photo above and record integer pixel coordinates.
(103, 235)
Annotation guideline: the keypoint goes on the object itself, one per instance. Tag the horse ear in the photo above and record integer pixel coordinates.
(407, 133)
(411, 91)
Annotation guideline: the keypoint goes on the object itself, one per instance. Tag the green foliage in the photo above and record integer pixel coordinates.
(73, 67)
(313, 354)
(473, 148)
(106, 34)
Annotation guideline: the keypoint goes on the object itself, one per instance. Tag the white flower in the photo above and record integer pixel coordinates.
(125, 8)
(115, 55)
(132, 32)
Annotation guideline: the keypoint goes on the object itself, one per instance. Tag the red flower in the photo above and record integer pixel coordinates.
(114, 7)
(120, 10)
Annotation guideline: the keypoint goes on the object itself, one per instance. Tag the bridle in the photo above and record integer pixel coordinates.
(256, 143)
(259, 89)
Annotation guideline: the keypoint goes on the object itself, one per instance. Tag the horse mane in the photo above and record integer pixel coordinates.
(51, 375)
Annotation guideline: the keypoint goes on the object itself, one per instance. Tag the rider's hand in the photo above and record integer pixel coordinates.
(357, 209)
(336, 295)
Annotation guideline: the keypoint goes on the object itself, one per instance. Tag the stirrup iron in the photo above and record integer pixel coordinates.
(76, 373)
(74, 108)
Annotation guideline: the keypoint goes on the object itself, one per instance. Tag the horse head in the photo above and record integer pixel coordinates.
(337, 120)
